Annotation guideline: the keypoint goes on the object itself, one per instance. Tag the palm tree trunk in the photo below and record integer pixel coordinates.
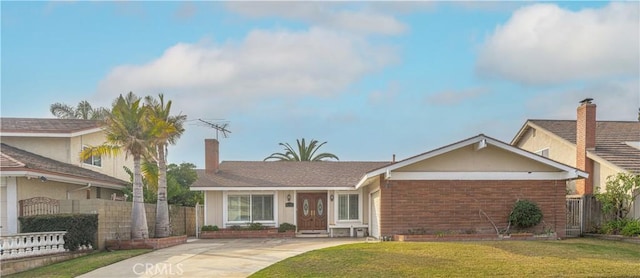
(139, 227)
(162, 207)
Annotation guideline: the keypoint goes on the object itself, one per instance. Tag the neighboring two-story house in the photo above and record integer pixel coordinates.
(600, 148)
(40, 158)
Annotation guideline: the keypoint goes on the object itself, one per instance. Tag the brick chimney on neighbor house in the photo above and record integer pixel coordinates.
(212, 155)
(585, 141)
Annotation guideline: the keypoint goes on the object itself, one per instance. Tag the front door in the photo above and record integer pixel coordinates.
(312, 211)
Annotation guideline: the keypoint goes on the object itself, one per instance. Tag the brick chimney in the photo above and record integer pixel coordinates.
(211, 155)
(585, 141)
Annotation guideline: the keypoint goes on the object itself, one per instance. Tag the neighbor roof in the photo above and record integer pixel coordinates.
(261, 175)
(611, 139)
(14, 160)
(26, 126)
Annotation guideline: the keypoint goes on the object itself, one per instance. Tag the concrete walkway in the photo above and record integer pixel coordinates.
(215, 257)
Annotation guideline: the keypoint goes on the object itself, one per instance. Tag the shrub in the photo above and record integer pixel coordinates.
(621, 190)
(614, 227)
(525, 214)
(81, 228)
(632, 228)
(286, 227)
(210, 228)
(255, 226)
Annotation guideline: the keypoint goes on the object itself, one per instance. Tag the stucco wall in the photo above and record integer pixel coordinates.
(286, 214)
(213, 208)
(111, 165)
(68, 150)
(563, 152)
(560, 151)
(28, 188)
(457, 206)
(487, 159)
(54, 148)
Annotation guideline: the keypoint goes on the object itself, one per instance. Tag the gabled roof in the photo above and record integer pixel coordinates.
(612, 139)
(18, 162)
(481, 141)
(32, 127)
(272, 175)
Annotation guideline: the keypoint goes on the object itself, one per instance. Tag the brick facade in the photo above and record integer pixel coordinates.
(457, 206)
(585, 140)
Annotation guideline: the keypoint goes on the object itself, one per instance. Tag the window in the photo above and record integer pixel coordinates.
(543, 152)
(250, 208)
(94, 160)
(348, 207)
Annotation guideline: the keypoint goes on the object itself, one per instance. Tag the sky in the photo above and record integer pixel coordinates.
(372, 79)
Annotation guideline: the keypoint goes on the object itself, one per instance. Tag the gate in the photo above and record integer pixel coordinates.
(574, 216)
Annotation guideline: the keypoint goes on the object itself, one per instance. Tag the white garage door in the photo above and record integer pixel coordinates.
(375, 214)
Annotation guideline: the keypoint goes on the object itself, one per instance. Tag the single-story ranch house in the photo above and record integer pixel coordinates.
(460, 188)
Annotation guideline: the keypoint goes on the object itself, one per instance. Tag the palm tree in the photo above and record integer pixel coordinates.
(304, 153)
(166, 129)
(127, 130)
(82, 111)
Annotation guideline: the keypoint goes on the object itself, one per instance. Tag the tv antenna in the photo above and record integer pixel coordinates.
(220, 126)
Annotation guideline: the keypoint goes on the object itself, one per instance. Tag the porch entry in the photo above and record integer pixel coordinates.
(312, 211)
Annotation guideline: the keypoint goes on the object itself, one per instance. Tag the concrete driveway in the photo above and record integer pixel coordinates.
(215, 257)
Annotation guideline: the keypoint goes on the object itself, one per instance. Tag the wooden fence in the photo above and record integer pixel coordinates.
(584, 215)
(39, 206)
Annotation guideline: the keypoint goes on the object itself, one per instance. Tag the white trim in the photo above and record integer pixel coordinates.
(541, 152)
(53, 134)
(489, 141)
(337, 207)
(225, 210)
(205, 208)
(59, 178)
(12, 205)
(257, 188)
(92, 158)
(483, 176)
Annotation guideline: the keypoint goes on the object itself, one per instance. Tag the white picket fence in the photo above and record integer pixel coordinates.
(33, 244)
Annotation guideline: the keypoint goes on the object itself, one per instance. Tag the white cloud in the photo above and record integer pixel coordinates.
(544, 44)
(327, 15)
(452, 97)
(262, 66)
(616, 100)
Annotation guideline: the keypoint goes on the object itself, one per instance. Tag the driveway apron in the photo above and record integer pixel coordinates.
(215, 257)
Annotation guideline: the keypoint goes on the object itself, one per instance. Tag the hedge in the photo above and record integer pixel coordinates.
(81, 228)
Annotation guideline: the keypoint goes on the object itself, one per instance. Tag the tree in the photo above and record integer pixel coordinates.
(621, 190)
(82, 111)
(304, 152)
(165, 130)
(179, 179)
(127, 130)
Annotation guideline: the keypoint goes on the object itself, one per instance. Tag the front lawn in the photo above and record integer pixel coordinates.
(573, 257)
(80, 265)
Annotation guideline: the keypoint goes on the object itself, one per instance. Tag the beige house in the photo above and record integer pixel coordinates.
(445, 189)
(600, 148)
(40, 158)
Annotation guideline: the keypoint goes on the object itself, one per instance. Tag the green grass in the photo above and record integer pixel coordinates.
(574, 257)
(80, 265)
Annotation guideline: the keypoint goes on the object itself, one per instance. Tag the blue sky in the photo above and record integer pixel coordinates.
(371, 78)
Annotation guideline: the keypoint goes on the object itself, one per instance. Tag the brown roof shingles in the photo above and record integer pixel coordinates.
(35, 125)
(14, 158)
(611, 138)
(282, 174)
